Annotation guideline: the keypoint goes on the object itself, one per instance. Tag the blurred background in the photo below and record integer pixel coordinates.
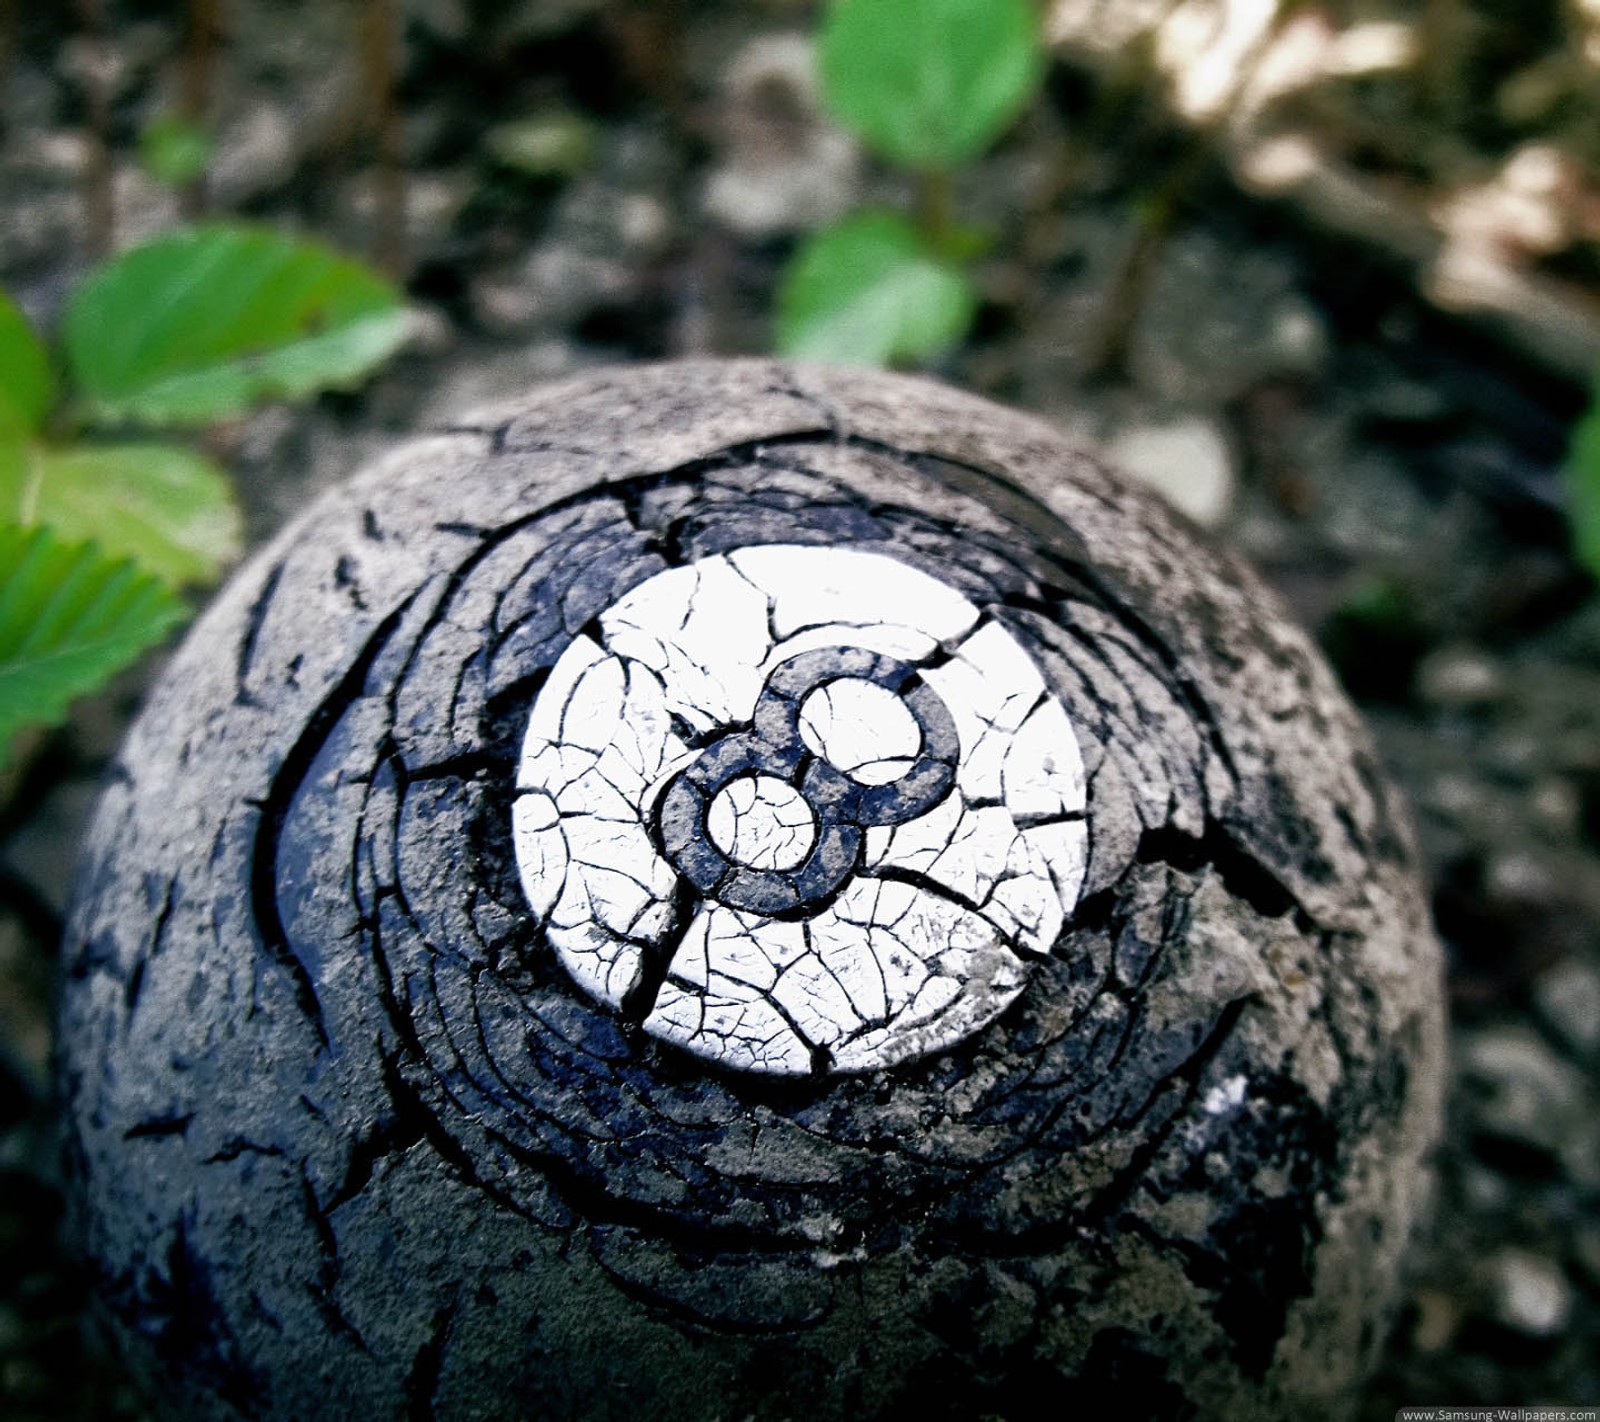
(1325, 272)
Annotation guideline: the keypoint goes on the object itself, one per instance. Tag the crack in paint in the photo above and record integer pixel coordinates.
(940, 834)
(551, 595)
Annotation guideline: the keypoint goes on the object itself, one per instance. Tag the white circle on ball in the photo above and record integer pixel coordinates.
(763, 823)
(862, 729)
(902, 933)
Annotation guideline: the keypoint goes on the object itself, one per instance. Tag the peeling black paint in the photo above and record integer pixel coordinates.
(413, 1165)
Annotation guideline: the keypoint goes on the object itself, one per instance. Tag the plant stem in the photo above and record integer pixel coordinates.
(98, 194)
(936, 209)
(380, 57)
(1154, 221)
(1111, 351)
(199, 70)
(1119, 114)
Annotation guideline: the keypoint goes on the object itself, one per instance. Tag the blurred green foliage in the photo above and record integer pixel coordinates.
(550, 145)
(197, 326)
(927, 85)
(99, 534)
(867, 291)
(1583, 487)
(175, 150)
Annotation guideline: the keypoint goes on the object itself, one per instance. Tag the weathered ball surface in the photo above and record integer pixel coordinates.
(729, 890)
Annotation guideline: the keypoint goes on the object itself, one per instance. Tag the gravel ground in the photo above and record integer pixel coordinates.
(1393, 473)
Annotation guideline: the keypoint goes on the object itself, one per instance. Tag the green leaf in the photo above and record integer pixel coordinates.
(168, 508)
(199, 325)
(930, 83)
(70, 617)
(867, 292)
(1583, 490)
(27, 388)
(174, 149)
(554, 144)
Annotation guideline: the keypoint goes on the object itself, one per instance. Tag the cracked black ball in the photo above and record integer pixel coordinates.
(730, 890)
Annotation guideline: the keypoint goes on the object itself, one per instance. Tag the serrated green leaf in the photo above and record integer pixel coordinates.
(867, 292)
(70, 618)
(27, 387)
(168, 508)
(930, 83)
(1583, 490)
(174, 149)
(197, 326)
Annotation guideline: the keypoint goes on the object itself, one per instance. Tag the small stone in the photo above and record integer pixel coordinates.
(434, 200)
(554, 288)
(1458, 678)
(644, 223)
(430, 331)
(1515, 754)
(93, 62)
(1484, 1191)
(1186, 461)
(1518, 878)
(1454, 795)
(1557, 807)
(146, 208)
(785, 167)
(1533, 92)
(504, 306)
(1438, 1316)
(1530, 1294)
(1568, 998)
(1526, 1093)
(61, 153)
(432, 203)
(1220, 320)
(567, 282)
(257, 153)
(1298, 336)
